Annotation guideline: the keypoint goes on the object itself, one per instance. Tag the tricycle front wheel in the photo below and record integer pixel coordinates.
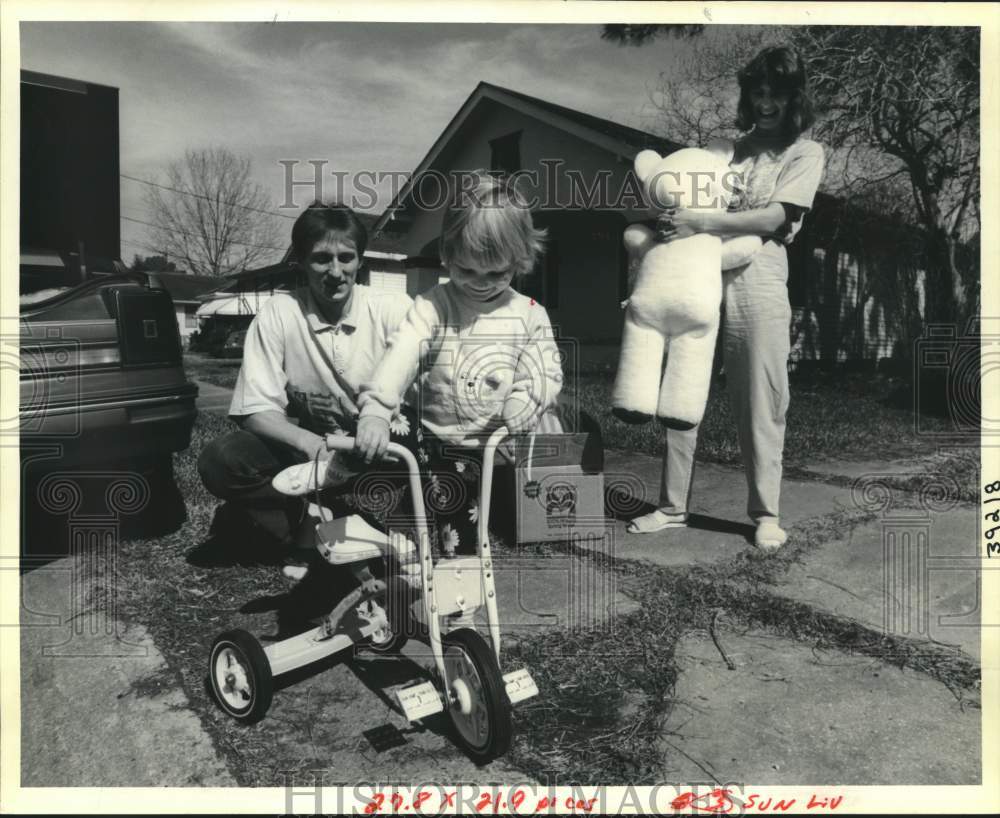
(477, 699)
(240, 675)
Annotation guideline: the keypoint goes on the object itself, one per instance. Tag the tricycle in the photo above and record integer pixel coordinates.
(378, 616)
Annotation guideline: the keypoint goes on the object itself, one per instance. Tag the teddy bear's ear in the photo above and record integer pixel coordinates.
(645, 163)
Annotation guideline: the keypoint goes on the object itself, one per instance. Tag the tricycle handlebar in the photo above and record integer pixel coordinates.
(394, 451)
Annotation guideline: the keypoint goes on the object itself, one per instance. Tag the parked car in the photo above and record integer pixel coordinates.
(233, 346)
(101, 370)
(102, 385)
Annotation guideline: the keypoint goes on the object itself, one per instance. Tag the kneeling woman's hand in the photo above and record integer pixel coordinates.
(372, 438)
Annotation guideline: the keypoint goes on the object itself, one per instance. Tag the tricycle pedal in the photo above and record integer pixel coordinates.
(519, 685)
(419, 701)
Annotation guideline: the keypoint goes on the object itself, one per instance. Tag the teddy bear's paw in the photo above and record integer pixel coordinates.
(677, 424)
(631, 416)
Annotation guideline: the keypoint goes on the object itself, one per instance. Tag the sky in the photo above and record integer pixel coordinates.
(362, 96)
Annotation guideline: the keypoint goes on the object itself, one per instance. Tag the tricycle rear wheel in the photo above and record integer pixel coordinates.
(395, 599)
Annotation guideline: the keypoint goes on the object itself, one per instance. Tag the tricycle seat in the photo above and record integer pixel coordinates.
(351, 539)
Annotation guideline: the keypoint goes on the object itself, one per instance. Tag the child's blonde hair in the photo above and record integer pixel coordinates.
(489, 227)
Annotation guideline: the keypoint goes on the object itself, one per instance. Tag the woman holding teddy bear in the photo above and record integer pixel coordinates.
(777, 173)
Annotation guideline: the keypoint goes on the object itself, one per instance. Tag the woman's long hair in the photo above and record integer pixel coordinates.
(782, 69)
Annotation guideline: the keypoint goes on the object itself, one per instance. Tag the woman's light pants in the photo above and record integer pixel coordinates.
(756, 317)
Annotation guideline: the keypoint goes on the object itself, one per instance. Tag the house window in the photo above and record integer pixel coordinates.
(388, 282)
(505, 153)
(191, 318)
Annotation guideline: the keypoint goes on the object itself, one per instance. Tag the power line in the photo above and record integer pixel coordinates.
(203, 196)
(196, 236)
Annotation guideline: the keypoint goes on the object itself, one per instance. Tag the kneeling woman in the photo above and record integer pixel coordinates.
(306, 355)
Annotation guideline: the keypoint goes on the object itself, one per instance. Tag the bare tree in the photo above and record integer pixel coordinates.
(695, 101)
(639, 34)
(211, 216)
(912, 94)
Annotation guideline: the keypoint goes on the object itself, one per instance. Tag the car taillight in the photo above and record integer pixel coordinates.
(147, 327)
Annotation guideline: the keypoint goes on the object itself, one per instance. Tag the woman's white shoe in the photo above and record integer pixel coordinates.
(770, 536)
(656, 521)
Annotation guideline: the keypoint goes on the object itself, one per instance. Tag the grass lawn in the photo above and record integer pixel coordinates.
(185, 607)
(829, 416)
(599, 716)
(220, 371)
(604, 693)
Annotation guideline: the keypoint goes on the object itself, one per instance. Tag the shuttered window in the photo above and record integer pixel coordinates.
(388, 282)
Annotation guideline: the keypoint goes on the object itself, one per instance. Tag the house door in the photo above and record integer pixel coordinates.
(583, 275)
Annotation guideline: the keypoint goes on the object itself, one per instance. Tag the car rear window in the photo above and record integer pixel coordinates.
(44, 273)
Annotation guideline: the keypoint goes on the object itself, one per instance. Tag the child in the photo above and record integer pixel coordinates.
(476, 353)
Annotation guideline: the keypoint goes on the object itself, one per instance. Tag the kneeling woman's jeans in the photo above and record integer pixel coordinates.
(238, 468)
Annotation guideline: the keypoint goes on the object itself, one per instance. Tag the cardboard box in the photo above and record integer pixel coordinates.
(556, 496)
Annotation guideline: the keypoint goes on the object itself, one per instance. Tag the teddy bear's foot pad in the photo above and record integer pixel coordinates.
(677, 424)
(631, 416)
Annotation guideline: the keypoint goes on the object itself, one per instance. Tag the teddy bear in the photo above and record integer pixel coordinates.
(675, 302)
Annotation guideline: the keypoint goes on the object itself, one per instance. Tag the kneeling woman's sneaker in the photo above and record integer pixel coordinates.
(305, 478)
(294, 569)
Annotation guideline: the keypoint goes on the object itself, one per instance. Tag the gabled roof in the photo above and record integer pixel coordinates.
(186, 288)
(635, 138)
(614, 137)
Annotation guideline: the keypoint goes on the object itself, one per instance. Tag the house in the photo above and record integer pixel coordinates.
(575, 167)
(184, 289)
(855, 278)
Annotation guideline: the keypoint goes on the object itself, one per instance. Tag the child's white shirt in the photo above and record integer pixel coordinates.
(473, 365)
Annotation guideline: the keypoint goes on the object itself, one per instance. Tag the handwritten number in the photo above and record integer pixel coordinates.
(688, 799)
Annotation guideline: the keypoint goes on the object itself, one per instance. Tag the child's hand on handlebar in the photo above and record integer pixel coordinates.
(372, 438)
